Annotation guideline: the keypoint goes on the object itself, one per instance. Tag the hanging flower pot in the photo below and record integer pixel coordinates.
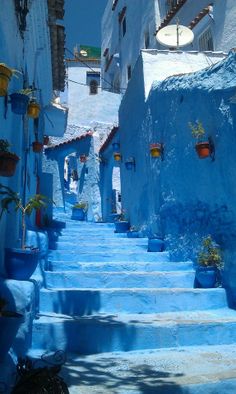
(45, 140)
(116, 146)
(37, 146)
(8, 162)
(33, 109)
(5, 76)
(156, 150)
(130, 163)
(19, 103)
(83, 158)
(117, 156)
(203, 149)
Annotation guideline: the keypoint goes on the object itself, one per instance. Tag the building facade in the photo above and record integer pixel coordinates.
(126, 29)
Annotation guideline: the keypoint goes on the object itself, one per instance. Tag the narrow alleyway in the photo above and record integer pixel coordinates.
(129, 320)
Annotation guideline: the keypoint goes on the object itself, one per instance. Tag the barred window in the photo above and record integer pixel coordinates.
(206, 41)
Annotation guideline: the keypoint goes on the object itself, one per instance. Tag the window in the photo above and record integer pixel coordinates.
(93, 86)
(129, 72)
(206, 41)
(122, 22)
(93, 81)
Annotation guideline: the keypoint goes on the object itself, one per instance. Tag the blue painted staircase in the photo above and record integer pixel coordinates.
(105, 293)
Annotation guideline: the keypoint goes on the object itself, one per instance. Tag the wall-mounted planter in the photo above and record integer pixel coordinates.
(130, 163)
(9, 325)
(83, 158)
(8, 162)
(5, 76)
(121, 226)
(78, 214)
(206, 276)
(205, 149)
(156, 150)
(115, 146)
(20, 264)
(117, 156)
(45, 140)
(37, 146)
(33, 109)
(19, 103)
(155, 245)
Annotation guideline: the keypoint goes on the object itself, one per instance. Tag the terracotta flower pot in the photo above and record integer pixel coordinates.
(5, 76)
(45, 140)
(33, 110)
(8, 162)
(83, 158)
(37, 146)
(203, 149)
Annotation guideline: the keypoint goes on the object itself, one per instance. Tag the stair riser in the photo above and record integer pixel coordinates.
(114, 280)
(106, 257)
(80, 248)
(119, 266)
(87, 302)
(85, 337)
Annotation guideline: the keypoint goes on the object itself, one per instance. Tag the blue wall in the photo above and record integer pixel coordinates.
(183, 198)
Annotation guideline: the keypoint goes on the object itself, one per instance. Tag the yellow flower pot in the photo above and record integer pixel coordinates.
(156, 150)
(33, 110)
(5, 76)
(117, 156)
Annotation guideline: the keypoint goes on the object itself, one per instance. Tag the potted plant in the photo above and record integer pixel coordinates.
(20, 263)
(33, 109)
(20, 101)
(122, 224)
(133, 232)
(9, 325)
(204, 148)
(155, 243)
(79, 211)
(6, 73)
(210, 263)
(8, 160)
(156, 150)
(117, 156)
(45, 140)
(37, 146)
(130, 163)
(115, 146)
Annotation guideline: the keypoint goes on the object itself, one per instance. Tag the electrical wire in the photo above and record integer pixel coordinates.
(87, 65)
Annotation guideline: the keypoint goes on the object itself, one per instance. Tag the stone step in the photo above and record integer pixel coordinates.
(80, 247)
(120, 266)
(75, 279)
(106, 256)
(88, 301)
(192, 370)
(110, 333)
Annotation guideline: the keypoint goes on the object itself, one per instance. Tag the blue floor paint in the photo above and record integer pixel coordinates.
(105, 293)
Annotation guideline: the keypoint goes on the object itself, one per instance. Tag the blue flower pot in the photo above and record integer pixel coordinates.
(78, 214)
(121, 227)
(206, 276)
(132, 234)
(9, 325)
(20, 264)
(19, 103)
(114, 217)
(115, 146)
(129, 165)
(155, 245)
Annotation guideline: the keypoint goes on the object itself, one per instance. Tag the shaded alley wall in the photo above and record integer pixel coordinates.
(184, 198)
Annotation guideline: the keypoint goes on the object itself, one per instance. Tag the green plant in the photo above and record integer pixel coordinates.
(4, 145)
(209, 255)
(197, 129)
(81, 205)
(34, 203)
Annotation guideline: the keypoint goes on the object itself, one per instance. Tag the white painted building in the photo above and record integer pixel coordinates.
(128, 28)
